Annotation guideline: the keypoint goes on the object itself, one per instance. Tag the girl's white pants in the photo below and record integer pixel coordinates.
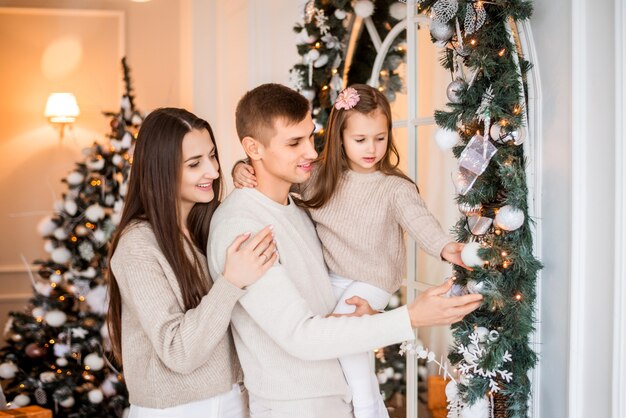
(359, 368)
(227, 405)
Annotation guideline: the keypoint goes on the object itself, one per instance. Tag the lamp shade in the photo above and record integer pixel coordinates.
(62, 108)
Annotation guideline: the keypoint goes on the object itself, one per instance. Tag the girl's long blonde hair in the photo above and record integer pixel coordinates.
(332, 161)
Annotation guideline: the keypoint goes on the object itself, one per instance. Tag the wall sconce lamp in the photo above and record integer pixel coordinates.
(61, 110)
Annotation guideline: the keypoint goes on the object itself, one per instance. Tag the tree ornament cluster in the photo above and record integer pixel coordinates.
(56, 352)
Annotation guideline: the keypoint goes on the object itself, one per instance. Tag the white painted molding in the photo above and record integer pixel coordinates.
(579, 47)
(15, 268)
(619, 316)
(533, 152)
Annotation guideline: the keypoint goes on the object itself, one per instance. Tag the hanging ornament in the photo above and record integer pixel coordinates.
(475, 287)
(94, 213)
(21, 400)
(74, 178)
(40, 395)
(46, 226)
(33, 350)
(8, 370)
(509, 218)
(321, 21)
(70, 207)
(38, 312)
(94, 361)
(455, 89)
(364, 8)
(446, 139)
(501, 135)
(309, 11)
(442, 32)
(61, 255)
(55, 318)
(475, 17)
(67, 402)
(479, 225)
(477, 154)
(47, 377)
(340, 14)
(469, 209)
(61, 361)
(444, 10)
(309, 94)
(95, 396)
(397, 10)
(480, 409)
(482, 333)
(95, 165)
(321, 61)
(470, 256)
(60, 234)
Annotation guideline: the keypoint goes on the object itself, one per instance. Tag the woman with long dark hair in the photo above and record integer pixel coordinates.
(168, 319)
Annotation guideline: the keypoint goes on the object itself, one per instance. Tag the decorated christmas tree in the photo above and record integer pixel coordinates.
(56, 347)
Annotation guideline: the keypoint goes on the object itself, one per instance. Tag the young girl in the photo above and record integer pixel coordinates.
(361, 203)
(168, 319)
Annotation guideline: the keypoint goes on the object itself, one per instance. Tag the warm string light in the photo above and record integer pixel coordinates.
(317, 45)
(518, 297)
(502, 52)
(473, 42)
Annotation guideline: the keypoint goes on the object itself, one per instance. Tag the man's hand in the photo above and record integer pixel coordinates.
(362, 308)
(452, 253)
(243, 176)
(432, 307)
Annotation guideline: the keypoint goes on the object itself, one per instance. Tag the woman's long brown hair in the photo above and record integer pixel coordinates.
(332, 161)
(153, 197)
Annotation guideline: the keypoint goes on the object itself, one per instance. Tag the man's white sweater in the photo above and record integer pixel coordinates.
(287, 348)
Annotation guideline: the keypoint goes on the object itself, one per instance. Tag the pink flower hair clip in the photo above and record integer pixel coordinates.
(347, 99)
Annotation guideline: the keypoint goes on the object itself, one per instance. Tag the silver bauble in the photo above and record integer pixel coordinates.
(442, 32)
(455, 89)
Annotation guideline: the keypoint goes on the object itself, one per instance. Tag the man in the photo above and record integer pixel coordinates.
(287, 345)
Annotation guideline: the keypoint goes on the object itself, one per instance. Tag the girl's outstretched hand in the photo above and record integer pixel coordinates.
(452, 253)
(246, 265)
(433, 307)
(243, 175)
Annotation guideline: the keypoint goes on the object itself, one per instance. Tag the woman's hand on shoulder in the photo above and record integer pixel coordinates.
(243, 175)
(245, 264)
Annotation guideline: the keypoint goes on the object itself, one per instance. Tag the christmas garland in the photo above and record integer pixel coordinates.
(484, 124)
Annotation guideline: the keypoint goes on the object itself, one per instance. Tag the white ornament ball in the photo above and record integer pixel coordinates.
(56, 278)
(478, 410)
(61, 255)
(70, 207)
(94, 212)
(48, 246)
(308, 94)
(468, 357)
(394, 301)
(95, 396)
(61, 361)
(108, 388)
(321, 61)
(312, 55)
(46, 226)
(21, 400)
(95, 165)
(446, 139)
(81, 231)
(117, 159)
(97, 299)
(482, 333)
(442, 32)
(123, 189)
(470, 256)
(55, 318)
(94, 361)
(99, 236)
(382, 377)
(475, 287)
(127, 140)
(303, 37)
(38, 312)
(67, 402)
(509, 218)
(397, 10)
(47, 377)
(389, 372)
(89, 272)
(61, 349)
(8, 370)
(60, 234)
(340, 14)
(136, 119)
(364, 8)
(452, 391)
(74, 178)
(43, 289)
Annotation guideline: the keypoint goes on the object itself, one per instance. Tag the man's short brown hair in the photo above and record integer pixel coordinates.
(260, 108)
